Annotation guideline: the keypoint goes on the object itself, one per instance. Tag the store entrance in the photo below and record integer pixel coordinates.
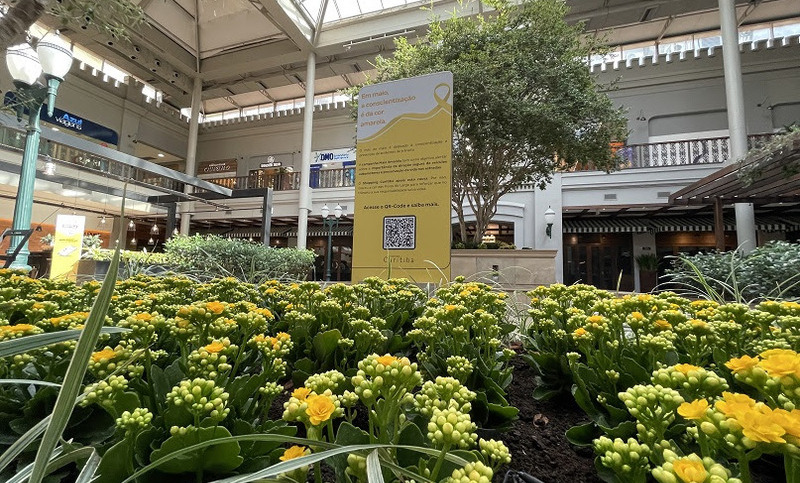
(602, 260)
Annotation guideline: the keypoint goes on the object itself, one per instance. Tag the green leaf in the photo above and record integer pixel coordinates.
(346, 435)
(411, 435)
(325, 344)
(220, 458)
(543, 393)
(77, 367)
(243, 388)
(28, 343)
(374, 474)
(583, 434)
(23, 442)
(117, 463)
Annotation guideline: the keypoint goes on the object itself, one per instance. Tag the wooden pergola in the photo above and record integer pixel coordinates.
(763, 177)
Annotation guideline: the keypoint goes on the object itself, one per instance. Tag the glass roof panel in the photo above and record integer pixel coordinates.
(312, 7)
(346, 9)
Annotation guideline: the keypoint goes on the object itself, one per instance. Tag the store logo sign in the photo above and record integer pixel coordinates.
(70, 122)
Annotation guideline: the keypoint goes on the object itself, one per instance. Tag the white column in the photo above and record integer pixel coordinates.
(737, 126)
(191, 152)
(304, 206)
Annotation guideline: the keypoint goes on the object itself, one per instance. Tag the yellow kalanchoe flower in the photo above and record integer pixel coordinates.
(760, 426)
(320, 409)
(294, 452)
(689, 470)
(105, 354)
(579, 332)
(214, 347)
(742, 364)
(685, 368)
(662, 324)
(694, 410)
(215, 307)
(780, 364)
(301, 393)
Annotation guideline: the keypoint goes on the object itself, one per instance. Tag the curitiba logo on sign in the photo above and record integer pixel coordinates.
(70, 121)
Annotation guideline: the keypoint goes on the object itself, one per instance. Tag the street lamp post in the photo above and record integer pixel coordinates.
(330, 223)
(52, 56)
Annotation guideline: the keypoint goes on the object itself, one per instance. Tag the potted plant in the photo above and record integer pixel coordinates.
(648, 271)
(47, 241)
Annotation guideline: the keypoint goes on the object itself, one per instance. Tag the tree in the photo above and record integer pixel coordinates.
(524, 104)
(113, 17)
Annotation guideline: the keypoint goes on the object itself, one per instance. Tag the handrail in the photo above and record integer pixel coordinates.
(323, 178)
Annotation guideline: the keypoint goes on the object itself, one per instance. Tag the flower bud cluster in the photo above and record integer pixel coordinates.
(212, 360)
(496, 452)
(367, 335)
(201, 398)
(475, 472)
(691, 468)
(443, 393)
(459, 367)
(104, 392)
(325, 381)
(8, 332)
(272, 347)
(654, 407)
(386, 376)
(451, 428)
(143, 324)
(356, 467)
(270, 390)
(68, 321)
(134, 422)
(628, 459)
(104, 362)
(691, 381)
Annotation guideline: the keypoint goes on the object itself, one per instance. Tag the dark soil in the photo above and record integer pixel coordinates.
(536, 439)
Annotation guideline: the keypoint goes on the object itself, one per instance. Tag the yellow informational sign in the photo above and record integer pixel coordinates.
(403, 179)
(67, 244)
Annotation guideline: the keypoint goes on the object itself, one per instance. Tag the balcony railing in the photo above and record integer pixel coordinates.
(15, 139)
(677, 153)
(328, 178)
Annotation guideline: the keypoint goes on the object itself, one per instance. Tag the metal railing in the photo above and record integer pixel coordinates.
(676, 153)
(15, 139)
(328, 178)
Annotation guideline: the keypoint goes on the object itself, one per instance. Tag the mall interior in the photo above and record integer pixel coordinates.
(211, 103)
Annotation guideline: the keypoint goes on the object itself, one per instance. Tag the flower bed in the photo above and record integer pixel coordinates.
(683, 391)
(183, 386)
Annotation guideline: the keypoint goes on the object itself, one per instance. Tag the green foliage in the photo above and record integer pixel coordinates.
(214, 256)
(647, 262)
(769, 271)
(524, 102)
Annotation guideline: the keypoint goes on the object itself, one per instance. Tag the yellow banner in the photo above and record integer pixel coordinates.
(403, 179)
(67, 244)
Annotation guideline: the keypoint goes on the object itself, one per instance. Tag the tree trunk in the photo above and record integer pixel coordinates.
(15, 23)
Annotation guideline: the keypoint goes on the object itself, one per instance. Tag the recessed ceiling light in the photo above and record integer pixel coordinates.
(55, 129)
(160, 155)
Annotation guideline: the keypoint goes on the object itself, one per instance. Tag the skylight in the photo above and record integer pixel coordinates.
(346, 9)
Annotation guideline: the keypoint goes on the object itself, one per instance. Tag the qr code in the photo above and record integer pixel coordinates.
(399, 232)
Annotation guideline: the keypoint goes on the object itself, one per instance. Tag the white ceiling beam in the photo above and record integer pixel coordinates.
(288, 17)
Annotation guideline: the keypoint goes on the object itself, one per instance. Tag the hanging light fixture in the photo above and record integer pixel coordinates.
(103, 219)
(133, 242)
(131, 226)
(151, 241)
(154, 230)
(49, 166)
(175, 232)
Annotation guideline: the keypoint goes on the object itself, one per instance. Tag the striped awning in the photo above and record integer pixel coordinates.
(689, 223)
(606, 225)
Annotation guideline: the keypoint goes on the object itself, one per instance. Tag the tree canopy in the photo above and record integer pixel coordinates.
(525, 103)
(113, 17)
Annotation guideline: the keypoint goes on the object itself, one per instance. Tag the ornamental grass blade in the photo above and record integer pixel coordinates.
(28, 382)
(23, 474)
(374, 473)
(87, 474)
(73, 378)
(23, 442)
(28, 343)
